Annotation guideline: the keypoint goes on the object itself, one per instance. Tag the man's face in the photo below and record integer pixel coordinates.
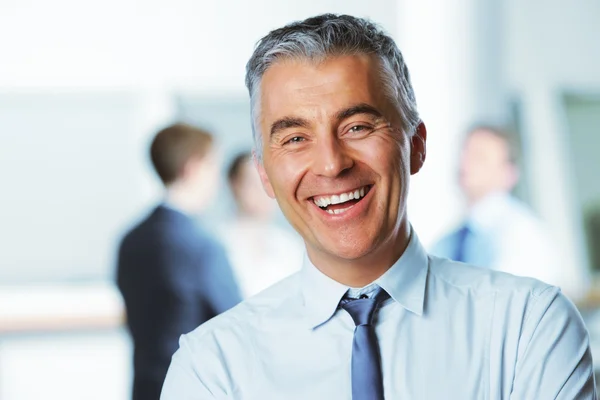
(485, 167)
(331, 136)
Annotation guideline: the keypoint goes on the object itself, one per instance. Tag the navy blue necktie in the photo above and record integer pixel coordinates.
(460, 252)
(367, 379)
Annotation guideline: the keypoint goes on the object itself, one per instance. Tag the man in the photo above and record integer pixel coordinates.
(261, 252)
(370, 315)
(499, 232)
(172, 275)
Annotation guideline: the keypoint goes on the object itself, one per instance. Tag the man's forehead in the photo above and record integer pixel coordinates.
(484, 143)
(294, 81)
(487, 137)
(306, 70)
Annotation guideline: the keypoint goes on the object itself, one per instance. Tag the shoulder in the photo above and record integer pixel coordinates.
(186, 235)
(225, 345)
(139, 228)
(238, 323)
(172, 237)
(481, 280)
(534, 300)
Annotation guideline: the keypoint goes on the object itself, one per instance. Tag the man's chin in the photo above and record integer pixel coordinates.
(348, 253)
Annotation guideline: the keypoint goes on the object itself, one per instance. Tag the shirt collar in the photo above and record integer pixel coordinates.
(406, 280)
(321, 294)
(405, 283)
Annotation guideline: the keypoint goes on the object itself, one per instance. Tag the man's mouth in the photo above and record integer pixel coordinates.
(338, 203)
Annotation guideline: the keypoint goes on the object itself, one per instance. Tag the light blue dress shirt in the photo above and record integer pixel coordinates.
(449, 331)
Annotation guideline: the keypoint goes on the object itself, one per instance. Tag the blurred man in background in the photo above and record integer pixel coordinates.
(173, 276)
(499, 231)
(261, 252)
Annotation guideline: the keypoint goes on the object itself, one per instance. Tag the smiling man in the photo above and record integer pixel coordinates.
(371, 315)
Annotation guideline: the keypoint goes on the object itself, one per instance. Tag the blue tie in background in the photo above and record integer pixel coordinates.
(367, 378)
(460, 253)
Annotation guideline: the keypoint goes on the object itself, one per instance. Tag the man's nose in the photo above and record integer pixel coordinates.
(331, 158)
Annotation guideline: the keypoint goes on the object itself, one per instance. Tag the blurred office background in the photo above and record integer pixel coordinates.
(83, 87)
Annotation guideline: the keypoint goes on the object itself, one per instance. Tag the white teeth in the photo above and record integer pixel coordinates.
(337, 199)
(338, 211)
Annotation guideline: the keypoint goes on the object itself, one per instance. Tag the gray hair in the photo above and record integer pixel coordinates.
(323, 36)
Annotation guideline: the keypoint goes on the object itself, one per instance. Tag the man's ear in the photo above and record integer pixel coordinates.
(418, 148)
(263, 175)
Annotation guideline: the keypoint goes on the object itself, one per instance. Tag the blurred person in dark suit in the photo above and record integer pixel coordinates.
(172, 274)
(499, 231)
(261, 252)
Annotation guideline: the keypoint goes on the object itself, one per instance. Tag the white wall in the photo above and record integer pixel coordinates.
(453, 49)
(583, 116)
(82, 88)
(467, 58)
(104, 73)
(553, 47)
(181, 43)
(152, 49)
(90, 366)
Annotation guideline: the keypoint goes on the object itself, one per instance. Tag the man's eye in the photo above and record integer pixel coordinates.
(295, 139)
(359, 129)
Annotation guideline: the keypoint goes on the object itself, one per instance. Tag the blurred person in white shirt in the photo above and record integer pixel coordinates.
(259, 249)
(499, 231)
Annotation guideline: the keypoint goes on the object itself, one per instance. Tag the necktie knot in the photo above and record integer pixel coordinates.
(363, 310)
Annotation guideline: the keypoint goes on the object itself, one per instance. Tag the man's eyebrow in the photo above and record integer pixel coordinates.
(361, 108)
(287, 122)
